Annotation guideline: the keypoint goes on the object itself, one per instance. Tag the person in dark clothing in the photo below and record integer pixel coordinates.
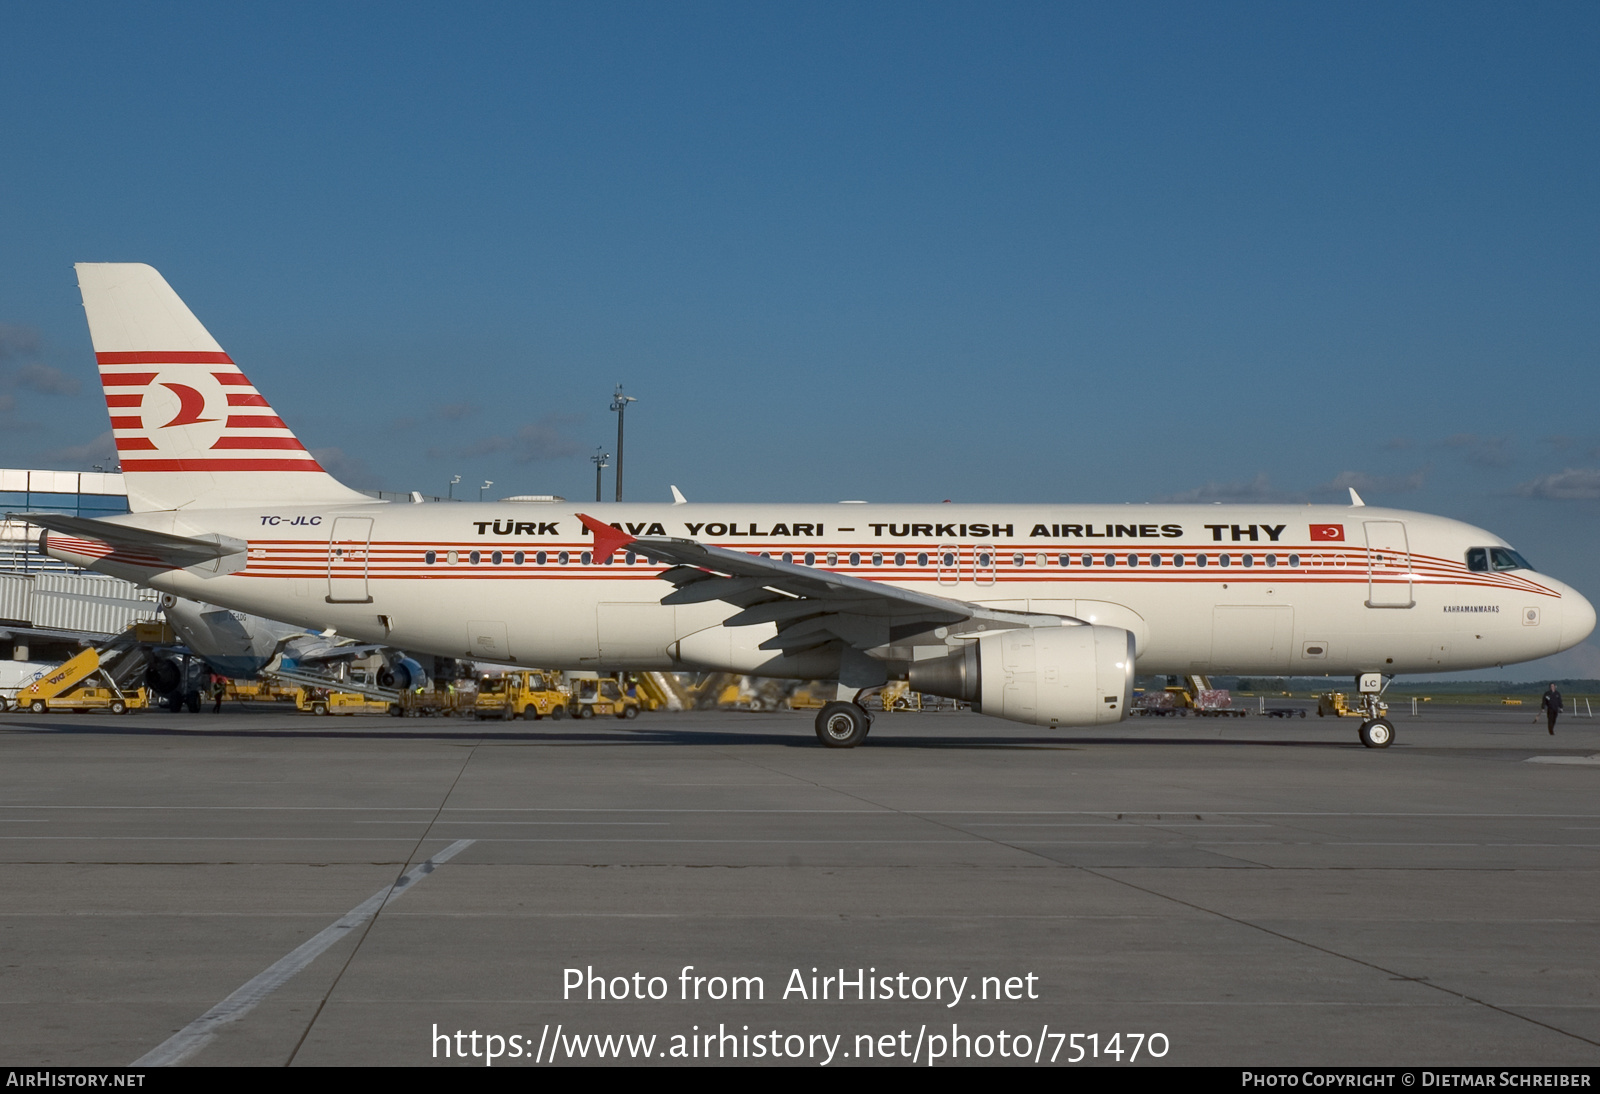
(1552, 706)
(219, 688)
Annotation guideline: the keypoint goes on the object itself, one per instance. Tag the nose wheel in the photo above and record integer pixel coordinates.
(1377, 733)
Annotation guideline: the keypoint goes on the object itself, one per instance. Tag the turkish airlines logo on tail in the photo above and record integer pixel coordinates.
(1325, 532)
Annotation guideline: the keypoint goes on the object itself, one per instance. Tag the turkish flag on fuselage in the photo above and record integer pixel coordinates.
(1326, 532)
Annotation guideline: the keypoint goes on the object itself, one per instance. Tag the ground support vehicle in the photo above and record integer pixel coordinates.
(428, 703)
(324, 701)
(530, 694)
(258, 691)
(595, 697)
(1337, 704)
(95, 679)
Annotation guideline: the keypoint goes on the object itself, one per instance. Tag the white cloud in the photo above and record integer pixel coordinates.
(1573, 484)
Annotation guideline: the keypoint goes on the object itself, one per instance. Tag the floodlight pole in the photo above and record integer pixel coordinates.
(486, 484)
(600, 457)
(619, 403)
(451, 492)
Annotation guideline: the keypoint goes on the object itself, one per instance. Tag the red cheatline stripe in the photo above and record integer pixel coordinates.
(247, 400)
(135, 444)
(220, 465)
(232, 379)
(126, 422)
(126, 379)
(258, 442)
(124, 400)
(163, 357)
(255, 421)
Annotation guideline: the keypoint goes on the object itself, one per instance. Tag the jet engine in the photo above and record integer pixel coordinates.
(402, 674)
(1045, 676)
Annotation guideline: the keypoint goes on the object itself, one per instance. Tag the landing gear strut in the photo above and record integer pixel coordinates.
(1376, 730)
(842, 725)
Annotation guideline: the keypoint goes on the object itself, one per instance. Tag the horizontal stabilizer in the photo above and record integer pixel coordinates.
(84, 541)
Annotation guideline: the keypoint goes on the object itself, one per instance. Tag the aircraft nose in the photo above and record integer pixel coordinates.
(1577, 618)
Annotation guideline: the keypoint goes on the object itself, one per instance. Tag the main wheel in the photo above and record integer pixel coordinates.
(1377, 733)
(842, 725)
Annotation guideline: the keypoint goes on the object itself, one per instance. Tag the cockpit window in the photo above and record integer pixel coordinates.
(1483, 559)
(1504, 558)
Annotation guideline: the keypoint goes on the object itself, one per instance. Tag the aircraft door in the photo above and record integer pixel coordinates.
(349, 543)
(1388, 565)
(983, 560)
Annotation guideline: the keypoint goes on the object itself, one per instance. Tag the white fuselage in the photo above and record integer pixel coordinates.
(1204, 589)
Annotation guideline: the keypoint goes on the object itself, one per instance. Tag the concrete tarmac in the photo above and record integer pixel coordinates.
(1255, 891)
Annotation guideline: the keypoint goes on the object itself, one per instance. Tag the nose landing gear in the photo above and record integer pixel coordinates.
(1377, 733)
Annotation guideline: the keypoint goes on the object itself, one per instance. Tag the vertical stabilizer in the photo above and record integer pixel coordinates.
(191, 430)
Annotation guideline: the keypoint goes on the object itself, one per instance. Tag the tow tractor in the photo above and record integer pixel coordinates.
(597, 696)
(530, 694)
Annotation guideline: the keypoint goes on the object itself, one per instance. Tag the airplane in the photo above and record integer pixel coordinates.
(1036, 613)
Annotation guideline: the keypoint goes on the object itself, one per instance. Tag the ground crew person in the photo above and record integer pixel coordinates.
(218, 689)
(1552, 706)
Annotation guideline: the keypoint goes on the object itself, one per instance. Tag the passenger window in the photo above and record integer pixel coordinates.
(520, 558)
(430, 558)
(1111, 560)
(1088, 560)
(1064, 559)
(1177, 560)
(899, 558)
(922, 558)
(1016, 560)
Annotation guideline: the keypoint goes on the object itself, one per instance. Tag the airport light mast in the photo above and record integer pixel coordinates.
(486, 484)
(451, 492)
(600, 457)
(619, 403)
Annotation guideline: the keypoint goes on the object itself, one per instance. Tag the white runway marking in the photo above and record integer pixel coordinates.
(199, 1033)
(1582, 761)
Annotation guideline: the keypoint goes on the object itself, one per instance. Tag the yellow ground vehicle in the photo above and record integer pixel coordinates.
(529, 694)
(324, 701)
(67, 687)
(594, 697)
(258, 691)
(1337, 704)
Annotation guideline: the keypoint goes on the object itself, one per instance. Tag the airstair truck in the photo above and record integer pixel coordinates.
(71, 686)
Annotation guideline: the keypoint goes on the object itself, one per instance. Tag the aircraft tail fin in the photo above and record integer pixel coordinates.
(191, 430)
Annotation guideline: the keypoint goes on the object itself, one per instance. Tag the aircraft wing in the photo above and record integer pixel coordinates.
(812, 607)
(98, 539)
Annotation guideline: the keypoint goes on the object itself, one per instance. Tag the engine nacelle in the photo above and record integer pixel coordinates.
(402, 674)
(1045, 676)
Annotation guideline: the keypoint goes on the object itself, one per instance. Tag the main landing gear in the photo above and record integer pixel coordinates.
(843, 725)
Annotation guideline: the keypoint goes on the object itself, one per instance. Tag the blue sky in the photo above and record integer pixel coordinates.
(1097, 252)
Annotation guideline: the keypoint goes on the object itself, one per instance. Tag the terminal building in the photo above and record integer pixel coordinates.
(48, 609)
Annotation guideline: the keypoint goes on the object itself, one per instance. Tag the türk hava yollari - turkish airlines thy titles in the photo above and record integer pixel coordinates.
(1033, 613)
